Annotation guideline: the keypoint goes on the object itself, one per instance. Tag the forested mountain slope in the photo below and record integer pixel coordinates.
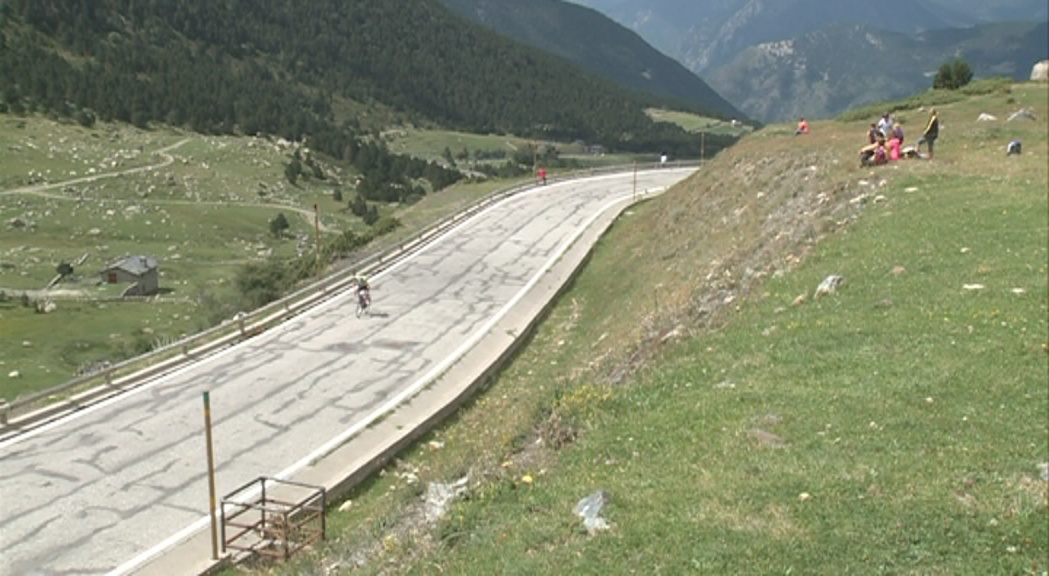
(286, 67)
(594, 42)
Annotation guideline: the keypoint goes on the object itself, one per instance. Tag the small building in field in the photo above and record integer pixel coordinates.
(140, 271)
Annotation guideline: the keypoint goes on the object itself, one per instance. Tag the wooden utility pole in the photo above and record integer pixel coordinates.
(211, 478)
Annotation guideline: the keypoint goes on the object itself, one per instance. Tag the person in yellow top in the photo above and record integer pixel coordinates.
(931, 132)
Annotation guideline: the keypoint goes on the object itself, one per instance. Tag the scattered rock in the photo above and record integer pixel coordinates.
(673, 334)
(589, 509)
(345, 505)
(972, 287)
(439, 494)
(804, 497)
(829, 286)
(801, 299)
(1043, 471)
(1022, 114)
(985, 117)
(1040, 71)
(1018, 291)
(14, 374)
(897, 270)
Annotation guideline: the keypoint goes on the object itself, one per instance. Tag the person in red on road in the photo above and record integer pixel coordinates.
(542, 174)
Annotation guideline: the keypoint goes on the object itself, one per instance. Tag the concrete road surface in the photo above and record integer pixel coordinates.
(89, 493)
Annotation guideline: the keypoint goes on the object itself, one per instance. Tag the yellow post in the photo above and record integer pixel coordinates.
(211, 479)
(317, 238)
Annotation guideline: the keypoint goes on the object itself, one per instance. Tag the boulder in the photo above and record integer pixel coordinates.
(1040, 71)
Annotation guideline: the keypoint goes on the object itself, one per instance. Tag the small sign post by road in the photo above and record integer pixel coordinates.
(317, 237)
(211, 478)
(633, 195)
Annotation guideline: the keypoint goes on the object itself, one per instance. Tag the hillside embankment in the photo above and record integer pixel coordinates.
(734, 421)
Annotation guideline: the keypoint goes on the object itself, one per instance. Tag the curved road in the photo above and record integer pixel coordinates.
(85, 494)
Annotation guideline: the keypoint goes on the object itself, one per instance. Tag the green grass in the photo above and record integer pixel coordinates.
(203, 217)
(695, 123)
(893, 427)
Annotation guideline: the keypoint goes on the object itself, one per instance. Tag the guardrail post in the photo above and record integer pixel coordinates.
(185, 348)
(109, 376)
(240, 324)
(5, 409)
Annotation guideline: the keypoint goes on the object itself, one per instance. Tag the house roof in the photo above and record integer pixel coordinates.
(137, 265)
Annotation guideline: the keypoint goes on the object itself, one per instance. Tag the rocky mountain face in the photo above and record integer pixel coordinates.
(705, 35)
(840, 67)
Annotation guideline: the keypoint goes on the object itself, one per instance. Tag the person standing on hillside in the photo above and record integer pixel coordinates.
(931, 132)
(872, 134)
(885, 125)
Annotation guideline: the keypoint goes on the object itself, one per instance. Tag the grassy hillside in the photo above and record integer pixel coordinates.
(738, 423)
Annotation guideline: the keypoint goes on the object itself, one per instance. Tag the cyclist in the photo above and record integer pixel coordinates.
(364, 296)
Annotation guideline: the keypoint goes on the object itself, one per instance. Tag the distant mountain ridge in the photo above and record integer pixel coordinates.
(595, 43)
(779, 59)
(705, 35)
(839, 67)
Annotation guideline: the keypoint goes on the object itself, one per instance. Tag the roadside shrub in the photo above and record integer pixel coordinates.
(385, 225)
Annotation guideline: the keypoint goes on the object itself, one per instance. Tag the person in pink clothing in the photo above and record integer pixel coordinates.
(894, 148)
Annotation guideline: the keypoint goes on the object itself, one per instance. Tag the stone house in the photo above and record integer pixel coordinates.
(141, 271)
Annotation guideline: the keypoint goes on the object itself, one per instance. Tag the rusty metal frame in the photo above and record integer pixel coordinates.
(256, 521)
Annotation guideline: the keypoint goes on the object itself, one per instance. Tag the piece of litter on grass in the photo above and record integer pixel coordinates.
(911, 189)
(589, 509)
(964, 250)
(972, 287)
(1019, 291)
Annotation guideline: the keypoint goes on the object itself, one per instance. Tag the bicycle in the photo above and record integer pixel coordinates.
(364, 303)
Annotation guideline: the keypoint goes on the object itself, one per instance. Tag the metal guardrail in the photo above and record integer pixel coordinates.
(127, 374)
